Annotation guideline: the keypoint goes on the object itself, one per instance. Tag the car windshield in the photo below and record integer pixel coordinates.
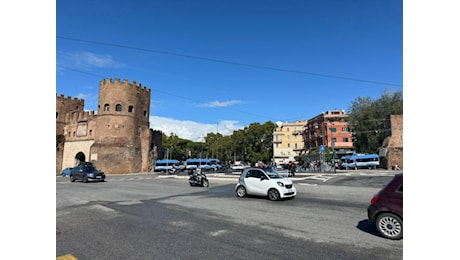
(91, 168)
(272, 173)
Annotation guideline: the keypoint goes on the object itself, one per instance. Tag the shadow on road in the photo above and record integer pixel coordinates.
(366, 226)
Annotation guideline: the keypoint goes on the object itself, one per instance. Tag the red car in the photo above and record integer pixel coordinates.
(386, 209)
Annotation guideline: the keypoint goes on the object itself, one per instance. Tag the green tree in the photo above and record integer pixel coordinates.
(175, 147)
(253, 143)
(370, 120)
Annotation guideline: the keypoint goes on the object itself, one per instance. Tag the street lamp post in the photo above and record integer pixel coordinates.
(333, 155)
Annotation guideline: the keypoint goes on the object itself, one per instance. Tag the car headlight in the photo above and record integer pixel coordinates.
(91, 174)
(280, 184)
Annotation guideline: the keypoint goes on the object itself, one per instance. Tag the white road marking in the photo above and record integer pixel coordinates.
(307, 184)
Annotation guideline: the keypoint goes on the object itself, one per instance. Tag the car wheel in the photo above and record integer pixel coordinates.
(205, 183)
(85, 179)
(273, 194)
(72, 179)
(390, 226)
(241, 191)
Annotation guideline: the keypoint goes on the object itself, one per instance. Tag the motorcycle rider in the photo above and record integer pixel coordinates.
(197, 174)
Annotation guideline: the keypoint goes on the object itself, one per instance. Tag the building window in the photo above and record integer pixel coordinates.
(345, 140)
(118, 108)
(345, 129)
(288, 137)
(333, 130)
(334, 139)
(289, 145)
(287, 129)
(57, 114)
(277, 145)
(295, 146)
(130, 109)
(145, 113)
(106, 107)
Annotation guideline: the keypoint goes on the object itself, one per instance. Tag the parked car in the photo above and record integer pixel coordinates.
(66, 171)
(386, 209)
(239, 166)
(260, 182)
(86, 172)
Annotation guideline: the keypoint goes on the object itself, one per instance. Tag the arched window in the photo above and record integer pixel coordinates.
(130, 109)
(118, 108)
(106, 107)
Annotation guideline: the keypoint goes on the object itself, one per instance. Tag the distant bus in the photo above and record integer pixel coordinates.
(360, 161)
(215, 164)
(192, 164)
(165, 164)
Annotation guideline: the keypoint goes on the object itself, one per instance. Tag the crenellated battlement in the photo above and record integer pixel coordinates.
(79, 116)
(125, 82)
(69, 100)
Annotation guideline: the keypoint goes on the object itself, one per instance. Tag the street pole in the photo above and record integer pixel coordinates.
(333, 156)
(217, 142)
(167, 162)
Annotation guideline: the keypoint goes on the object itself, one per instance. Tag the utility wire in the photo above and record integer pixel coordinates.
(228, 62)
(166, 93)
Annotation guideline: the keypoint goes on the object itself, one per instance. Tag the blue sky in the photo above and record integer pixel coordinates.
(222, 65)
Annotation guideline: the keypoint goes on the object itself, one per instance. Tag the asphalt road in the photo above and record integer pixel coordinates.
(158, 216)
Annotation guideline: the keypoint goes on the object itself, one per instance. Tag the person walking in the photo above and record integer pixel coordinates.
(292, 169)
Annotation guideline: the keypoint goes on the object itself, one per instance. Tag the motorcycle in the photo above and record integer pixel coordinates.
(193, 180)
(174, 170)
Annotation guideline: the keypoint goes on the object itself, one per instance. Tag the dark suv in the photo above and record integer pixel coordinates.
(386, 209)
(86, 172)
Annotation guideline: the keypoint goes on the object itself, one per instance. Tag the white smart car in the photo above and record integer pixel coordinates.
(264, 182)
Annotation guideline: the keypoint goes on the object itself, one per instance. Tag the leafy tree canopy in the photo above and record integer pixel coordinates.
(370, 120)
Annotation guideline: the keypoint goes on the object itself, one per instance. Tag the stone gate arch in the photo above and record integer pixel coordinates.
(80, 157)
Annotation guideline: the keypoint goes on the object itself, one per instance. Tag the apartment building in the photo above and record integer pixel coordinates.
(327, 128)
(287, 141)
(300, 138)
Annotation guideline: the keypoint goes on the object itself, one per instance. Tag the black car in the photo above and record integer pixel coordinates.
(386, 209)
(86, 172)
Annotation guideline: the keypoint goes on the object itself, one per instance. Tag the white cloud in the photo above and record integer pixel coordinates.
(86, 59)
(222, 103)
(191, 130)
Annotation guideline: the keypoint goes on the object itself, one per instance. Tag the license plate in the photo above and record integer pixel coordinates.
(98, 177)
